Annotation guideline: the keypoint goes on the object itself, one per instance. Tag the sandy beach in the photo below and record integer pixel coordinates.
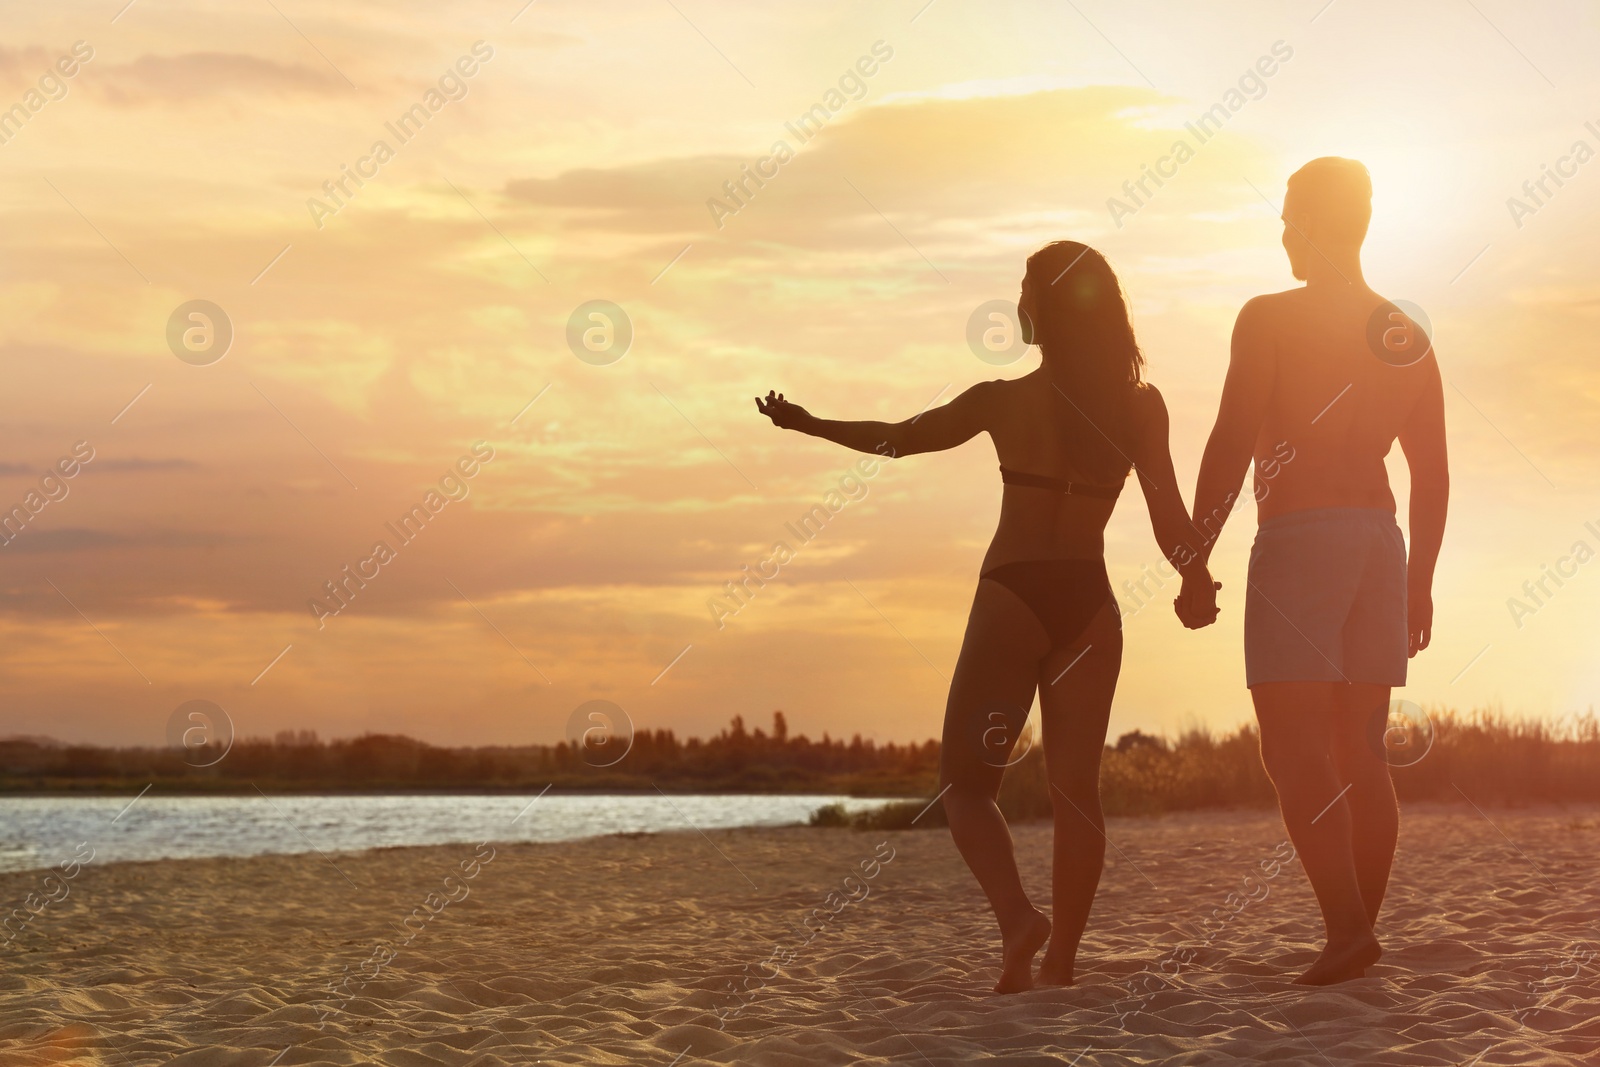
(728, 947)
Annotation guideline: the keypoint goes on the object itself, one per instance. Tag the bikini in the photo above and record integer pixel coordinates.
(1064, 594)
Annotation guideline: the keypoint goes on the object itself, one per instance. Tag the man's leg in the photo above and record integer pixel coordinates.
(1297, 747)
(1363, 765)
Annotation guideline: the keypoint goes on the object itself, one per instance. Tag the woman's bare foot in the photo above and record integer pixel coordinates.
(1054, 971)
(1342, 962)
(1016, 970)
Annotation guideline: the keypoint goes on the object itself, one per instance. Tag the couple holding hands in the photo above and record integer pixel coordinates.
(1330, 375)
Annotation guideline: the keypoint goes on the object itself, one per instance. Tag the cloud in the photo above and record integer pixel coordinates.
(191, 76)
(662, 194)
(975, 175)
(137, 465)
(82, 539)
(24, 65)
(547, 40)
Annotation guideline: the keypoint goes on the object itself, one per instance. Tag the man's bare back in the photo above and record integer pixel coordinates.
(1306, 362)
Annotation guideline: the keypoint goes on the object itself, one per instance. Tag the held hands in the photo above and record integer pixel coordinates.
(1196, 603)
(784, 415)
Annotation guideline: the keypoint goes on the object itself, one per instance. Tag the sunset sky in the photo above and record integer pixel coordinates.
(374, 344)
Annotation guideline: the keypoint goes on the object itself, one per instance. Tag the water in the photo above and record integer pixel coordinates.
(37, 832)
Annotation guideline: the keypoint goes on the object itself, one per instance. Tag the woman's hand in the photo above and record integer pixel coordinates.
(1196, 604)
(784, 415)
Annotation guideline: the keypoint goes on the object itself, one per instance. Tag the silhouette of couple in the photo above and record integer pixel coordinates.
(1333, 610)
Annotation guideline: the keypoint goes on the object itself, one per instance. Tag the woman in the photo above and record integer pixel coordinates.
(1044, 620)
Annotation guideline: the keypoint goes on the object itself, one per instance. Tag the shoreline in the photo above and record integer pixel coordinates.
(37, 832)
(522, 791)
(1204, 816)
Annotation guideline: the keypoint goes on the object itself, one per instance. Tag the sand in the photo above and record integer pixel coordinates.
(687, 948)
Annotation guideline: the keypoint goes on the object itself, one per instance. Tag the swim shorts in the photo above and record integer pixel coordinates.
(1327, 599)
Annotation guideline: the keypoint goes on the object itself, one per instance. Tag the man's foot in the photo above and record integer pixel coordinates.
(1340, 963)
(1016, 969)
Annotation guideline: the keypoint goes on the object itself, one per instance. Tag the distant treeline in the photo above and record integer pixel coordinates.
(736, 760)
(1484, 757)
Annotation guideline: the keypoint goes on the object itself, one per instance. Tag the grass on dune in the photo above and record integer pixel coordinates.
(1485, 757)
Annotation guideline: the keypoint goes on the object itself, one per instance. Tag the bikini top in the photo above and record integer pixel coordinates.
(1060, 485)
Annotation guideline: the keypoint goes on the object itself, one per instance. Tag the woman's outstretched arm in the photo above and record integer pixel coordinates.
(931, 431)
(1169, 519)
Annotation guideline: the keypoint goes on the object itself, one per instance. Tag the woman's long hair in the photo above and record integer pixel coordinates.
(1082, 329)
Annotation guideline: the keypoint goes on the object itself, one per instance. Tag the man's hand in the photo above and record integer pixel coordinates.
(784, 415)
(1196, 603)
(1419, 619)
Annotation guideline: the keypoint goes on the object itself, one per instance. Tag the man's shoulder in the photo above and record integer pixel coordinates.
(1270, 304)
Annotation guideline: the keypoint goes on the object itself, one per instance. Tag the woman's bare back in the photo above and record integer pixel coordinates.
(1030, 425)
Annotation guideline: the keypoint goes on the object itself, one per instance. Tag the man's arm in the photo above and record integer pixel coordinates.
(933, 430)
(1422, 441)
(1252, 370)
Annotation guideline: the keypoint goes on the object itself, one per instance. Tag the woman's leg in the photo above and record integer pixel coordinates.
(1075, 690)
(990, 697)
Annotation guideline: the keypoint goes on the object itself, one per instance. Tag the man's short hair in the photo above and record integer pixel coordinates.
(1337, 193)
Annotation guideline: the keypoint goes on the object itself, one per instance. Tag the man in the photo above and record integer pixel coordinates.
(1323, 379)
